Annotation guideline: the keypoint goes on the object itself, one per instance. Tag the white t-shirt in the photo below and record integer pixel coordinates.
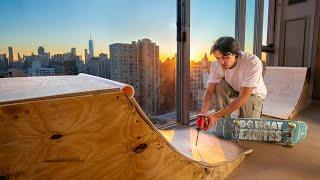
(246, 73)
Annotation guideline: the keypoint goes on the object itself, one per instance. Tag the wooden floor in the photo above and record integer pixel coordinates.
(270, 161)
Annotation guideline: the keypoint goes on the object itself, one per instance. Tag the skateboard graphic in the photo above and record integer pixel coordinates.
(285, 132)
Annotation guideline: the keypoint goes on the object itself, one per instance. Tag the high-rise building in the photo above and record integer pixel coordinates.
(57, 57)
(103, 59)
(40, 50)
(10, 54)
(199, 72)
(91, 49)
(73, 51)
(98, 66)
(149, 75)
(86, 56)
(124, 62)
(27, 61)
(68, 56)
(3, 64)
(206, 64)
(138, 64)
(70, 67)
(19, 57)
(57, 65)
(44, 59)
(168, 85)
(37, 69)
(108, 68)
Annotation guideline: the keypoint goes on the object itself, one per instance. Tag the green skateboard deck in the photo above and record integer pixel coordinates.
(281, 131)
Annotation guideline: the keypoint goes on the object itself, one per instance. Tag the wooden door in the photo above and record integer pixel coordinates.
(296, 32)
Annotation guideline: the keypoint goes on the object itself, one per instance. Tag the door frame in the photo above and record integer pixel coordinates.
(316, 47)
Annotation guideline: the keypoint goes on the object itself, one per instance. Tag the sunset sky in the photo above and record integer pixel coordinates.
(59, 25)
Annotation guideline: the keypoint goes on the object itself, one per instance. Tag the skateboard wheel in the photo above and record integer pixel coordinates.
(236, 122)
(292, 125)
(289, 145)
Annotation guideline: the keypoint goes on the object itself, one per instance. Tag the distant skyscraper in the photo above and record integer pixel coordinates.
(124, 64)
(138, 64)
(97, 66)
(199, 72)
(149, 75)
(40, 50)
(19, 57)
(168, 85)
(43, 57)
(86, 56)
(3, 65)
(10, 54)
(91, 49)
(73, 51)
(206, 63)
(37, 70)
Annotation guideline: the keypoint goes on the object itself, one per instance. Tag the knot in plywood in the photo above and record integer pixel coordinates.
(140, 148)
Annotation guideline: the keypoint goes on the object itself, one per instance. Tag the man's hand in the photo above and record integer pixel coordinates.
(202, 122)
(212, 119)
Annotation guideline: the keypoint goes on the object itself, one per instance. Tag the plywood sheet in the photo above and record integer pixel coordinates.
(285, 86)
(42, 87)
(103, 136)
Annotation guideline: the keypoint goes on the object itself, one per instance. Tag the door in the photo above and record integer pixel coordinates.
(297, 17)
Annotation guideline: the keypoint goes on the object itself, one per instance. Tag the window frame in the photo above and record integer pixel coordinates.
(183, 51)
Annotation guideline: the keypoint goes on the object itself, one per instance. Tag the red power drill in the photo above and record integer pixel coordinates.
(202, 123)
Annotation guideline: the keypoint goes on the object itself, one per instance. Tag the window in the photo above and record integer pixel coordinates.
(266, 16)
(210, 19)
(137, 45)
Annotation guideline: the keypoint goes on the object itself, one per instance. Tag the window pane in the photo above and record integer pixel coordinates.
(265, 22)
(249, 35)
(133, 42)
(210, 19)
(264, 56)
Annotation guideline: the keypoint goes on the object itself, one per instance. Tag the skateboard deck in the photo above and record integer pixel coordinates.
(287, 132)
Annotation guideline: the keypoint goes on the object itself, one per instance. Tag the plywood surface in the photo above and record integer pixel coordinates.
(285, 86)
(20, 89)
(102, 136)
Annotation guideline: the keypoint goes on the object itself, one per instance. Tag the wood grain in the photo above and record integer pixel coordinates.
(99, 136)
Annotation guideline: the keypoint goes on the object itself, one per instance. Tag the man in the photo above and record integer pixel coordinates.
(235, 74)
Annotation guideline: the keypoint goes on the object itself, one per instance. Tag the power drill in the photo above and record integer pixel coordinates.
(202, 123)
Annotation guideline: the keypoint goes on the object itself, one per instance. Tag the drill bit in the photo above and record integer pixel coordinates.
(198, 129)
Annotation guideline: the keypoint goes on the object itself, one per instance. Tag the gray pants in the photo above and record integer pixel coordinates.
(223, 93)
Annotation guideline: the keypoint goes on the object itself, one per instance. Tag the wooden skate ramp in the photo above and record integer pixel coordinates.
(287, 91)
(101, 135)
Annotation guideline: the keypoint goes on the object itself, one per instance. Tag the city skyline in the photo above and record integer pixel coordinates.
(82, 56)
(64, 24)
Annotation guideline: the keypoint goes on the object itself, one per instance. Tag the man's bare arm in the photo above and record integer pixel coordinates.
(207, 98)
